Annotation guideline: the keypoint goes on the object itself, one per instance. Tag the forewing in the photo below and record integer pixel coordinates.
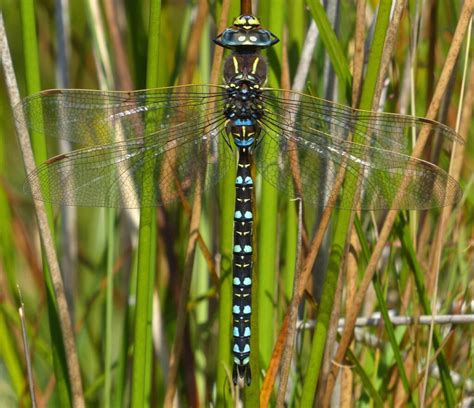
(386, 131)
(309, 150)
(93, 117)
(114, 175)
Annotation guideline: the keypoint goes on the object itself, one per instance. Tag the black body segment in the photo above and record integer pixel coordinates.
(242, 268)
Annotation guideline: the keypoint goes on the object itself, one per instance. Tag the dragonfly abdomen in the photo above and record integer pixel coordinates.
(242, 267)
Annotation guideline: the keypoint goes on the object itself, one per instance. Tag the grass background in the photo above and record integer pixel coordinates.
(184, 277)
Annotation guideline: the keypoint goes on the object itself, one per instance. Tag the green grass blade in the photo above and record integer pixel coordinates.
(227, 200)
(10, 359)
(331, 43)
(267, 232)
(377, 400)
(142, 331)
(110, 216)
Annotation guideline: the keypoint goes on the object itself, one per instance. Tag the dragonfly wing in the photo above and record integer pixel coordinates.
(306, 157)
(92, 117)
(386, 131)
(113, 175)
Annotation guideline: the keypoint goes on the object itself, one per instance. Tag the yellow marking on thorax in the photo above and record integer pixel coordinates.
(236, 65)
(255, 63)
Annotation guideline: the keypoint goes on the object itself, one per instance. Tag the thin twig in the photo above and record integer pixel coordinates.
(219, 51)
(306, 57)
(359, 52)
(246, 7)
(193, 48)
(388, 48)
(397, 321)
(181, 318)
(124, 78)
(293, 316)
(45, 232)
(24, 335)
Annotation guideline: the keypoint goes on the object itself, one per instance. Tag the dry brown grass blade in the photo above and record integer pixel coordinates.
(45, 232)
(246, 7)
(123, 72)
(391, 216)
(219, 51)
(466, 121)
(290, 337)
(389, 47)
(193, 44)
(183, 297)
(270, 377)
(359, 52)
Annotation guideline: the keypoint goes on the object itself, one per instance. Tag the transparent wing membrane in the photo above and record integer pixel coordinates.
(172, 135)
(113, 175)
(387, 131)
(311, 144)
(92, 117)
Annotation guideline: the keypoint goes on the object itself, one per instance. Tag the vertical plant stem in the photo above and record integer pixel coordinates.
(69, 362)
(246, 7)
(227, 198)
(290, 341)
(267, 230)
(60, 355)
(29, 367)
(110, 218)
(145, 273)
(183, 298)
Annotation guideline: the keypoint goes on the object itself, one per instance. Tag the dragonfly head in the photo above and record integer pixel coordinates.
(246, 33)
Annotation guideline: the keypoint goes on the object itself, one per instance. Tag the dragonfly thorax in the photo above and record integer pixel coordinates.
(244, 101)
(245, 75)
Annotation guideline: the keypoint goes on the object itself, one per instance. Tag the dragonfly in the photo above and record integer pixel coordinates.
(170, 137)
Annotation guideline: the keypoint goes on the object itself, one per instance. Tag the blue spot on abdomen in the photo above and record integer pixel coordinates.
(243, 122)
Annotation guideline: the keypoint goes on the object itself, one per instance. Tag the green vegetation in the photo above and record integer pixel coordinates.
(128, 284)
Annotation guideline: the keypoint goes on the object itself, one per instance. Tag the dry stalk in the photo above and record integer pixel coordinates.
(45, 232)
